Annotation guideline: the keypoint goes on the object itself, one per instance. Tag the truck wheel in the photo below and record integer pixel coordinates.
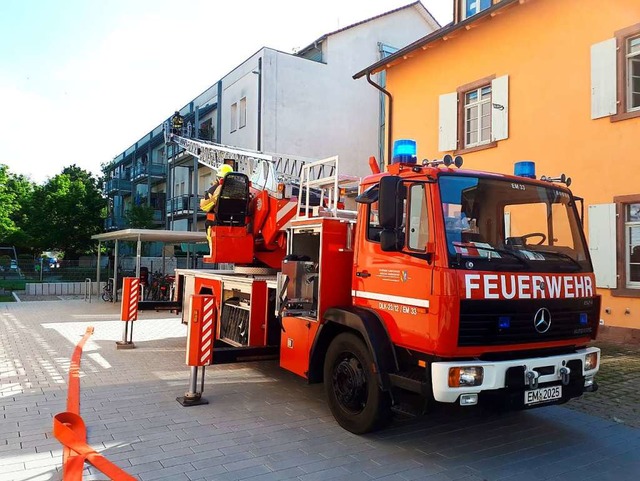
(355, 399)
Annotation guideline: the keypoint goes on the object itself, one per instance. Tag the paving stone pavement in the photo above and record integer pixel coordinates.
(262, 422)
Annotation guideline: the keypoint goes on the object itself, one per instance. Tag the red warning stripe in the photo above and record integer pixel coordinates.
(70, 430)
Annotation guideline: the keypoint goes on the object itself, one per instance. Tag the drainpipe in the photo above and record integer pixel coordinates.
(259, 104)
(194, 189)
(390, 128)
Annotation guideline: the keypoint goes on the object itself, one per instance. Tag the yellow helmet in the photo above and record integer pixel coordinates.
(223, 170)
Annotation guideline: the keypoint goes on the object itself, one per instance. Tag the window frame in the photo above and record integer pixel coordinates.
(622, 265)
(622, 37)
(233, 121)
(462, 133)
(242, 112)
(463, 8)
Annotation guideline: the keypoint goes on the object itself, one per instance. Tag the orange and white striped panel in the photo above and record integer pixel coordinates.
(202, 324)
(130, 298)
(206, 346)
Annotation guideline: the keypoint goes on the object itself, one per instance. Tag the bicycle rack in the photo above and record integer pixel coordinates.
(87, 293)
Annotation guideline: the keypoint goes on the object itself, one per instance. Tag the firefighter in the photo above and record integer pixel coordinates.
(177, 121)
(208, 203)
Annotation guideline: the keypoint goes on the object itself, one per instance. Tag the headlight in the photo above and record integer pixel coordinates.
(591, 361)
(466, 376)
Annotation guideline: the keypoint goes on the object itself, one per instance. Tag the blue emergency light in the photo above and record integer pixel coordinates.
(584, 319)
(404, 151)
(504, 322)
(525, 168)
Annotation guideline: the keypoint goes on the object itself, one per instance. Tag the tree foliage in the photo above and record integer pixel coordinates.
(139, 217)
(62, 214)
(15, 196)
(7, 204)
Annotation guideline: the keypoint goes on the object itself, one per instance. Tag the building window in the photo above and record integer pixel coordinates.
(234, 117)
(206, 130)
(472, 7)
(477, 116)
(627, 217)
(632, 54)
(631, 239)
(615, 76)
(243, 112)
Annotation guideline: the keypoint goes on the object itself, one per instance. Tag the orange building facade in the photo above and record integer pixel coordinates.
(556, 82)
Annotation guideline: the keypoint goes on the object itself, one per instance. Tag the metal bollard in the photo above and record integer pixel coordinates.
(87, 293)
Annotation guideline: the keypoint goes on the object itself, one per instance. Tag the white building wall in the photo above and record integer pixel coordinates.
(241, 83)
(313, 109)
(318, 110)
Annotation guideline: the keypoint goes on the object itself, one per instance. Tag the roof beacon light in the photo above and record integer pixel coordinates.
(525, 168)
(404, 151)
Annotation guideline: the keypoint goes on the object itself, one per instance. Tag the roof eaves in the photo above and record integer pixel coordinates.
(432, 37)
(324, 37)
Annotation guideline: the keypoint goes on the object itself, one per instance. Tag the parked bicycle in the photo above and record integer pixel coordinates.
(107, 291)
(160, 288)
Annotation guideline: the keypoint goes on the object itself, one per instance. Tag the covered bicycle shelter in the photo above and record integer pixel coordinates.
(139, 236)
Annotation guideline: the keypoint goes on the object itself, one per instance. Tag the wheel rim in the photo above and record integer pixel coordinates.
(350, 383)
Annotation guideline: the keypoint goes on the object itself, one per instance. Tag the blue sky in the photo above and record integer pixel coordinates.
(81, 80)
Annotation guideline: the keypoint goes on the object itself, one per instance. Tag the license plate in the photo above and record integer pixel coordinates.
(542, 395)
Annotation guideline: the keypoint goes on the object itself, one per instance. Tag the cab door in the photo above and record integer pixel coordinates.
(397, 283)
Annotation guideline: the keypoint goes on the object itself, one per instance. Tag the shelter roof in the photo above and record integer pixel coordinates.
(151, 235)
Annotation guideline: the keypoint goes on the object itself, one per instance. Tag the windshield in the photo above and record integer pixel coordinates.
(495, 224)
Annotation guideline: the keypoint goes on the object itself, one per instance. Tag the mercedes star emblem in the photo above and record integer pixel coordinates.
(542, 320)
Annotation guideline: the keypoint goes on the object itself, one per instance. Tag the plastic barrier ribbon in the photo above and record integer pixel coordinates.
(70, 430)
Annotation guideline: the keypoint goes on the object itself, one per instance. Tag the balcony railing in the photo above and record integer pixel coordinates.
(115, 223)
(141, 172)
(158, 216)
(183, 204)
(117, 185)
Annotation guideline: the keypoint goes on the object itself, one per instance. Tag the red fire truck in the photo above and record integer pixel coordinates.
(445, 286)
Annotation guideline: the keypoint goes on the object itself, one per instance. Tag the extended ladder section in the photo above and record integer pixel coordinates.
(265, 170)
(323, 175)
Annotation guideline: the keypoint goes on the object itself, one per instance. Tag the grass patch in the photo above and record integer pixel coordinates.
(13, 284)
(7, 299)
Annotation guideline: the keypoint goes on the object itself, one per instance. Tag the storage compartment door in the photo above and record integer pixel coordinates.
(294, 345)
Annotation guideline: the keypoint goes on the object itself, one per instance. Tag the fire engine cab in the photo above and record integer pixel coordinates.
(445, 286)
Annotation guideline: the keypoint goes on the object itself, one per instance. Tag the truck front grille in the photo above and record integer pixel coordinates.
(497, 322)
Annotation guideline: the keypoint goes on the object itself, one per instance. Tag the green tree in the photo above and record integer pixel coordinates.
(8, 205)
(139, 217)
(22, 188)
(66, 211)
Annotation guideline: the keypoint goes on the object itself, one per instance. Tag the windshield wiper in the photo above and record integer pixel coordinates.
(522, 260)
(561, 255)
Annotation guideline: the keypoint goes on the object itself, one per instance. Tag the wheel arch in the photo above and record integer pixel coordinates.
(367, 324)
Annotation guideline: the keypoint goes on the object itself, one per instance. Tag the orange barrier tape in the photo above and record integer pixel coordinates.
(70, 430)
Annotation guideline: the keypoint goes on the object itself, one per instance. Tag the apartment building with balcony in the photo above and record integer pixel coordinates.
(304, 103)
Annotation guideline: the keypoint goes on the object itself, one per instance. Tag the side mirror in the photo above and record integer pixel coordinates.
(388, 202)
(390, 241)
(390, 210)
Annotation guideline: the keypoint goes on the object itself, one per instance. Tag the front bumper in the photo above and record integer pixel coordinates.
(512, 376)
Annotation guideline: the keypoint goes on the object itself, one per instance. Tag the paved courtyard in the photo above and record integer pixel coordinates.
(263, 423)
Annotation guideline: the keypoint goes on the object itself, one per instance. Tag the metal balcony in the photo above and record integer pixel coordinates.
(117, 185)
(142, 172)
(115, 223)
(183, 205)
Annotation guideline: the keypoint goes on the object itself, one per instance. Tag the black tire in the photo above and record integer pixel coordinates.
(355, 399)
(106, 297)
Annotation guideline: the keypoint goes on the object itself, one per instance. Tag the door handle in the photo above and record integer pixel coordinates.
(363, 274)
